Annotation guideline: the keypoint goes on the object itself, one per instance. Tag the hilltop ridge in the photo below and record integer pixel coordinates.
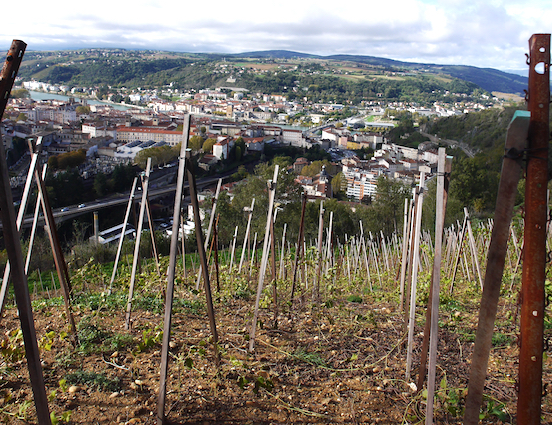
(151, 66)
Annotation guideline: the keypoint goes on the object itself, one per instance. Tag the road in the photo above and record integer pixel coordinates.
(452, 143)
(68, 212)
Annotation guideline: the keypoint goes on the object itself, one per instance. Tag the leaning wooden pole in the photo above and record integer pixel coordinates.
(35, 151)
(209, 229)
(415, 262)
(35, 225)
(13, 247)
(264, 260)
(428, 331)
(152, 235)
(441, 206)
(203, 259)
(516, 142)
(299, 248)
(123, 231)
(137, 244)
(245, 246)
(473, 247)
(404, 256)
(169, 297)
(534, 259)
(59, 260)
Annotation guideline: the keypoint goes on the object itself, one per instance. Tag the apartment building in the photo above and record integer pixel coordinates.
(143, 134)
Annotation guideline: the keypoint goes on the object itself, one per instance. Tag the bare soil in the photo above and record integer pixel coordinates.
(336, 361)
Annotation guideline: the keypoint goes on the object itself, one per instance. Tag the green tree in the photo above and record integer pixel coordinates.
(20, 94)
(339, 184)
(22, 117)
(82, 110)
(100, 184)
(71, 159)
(315, 168)
(389, 204)
(53, 162)
(122, 177)
(159, 155)
(208, 145)
(195, 143)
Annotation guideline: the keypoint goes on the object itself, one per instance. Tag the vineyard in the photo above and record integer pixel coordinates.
(337, 354)
(409, 327)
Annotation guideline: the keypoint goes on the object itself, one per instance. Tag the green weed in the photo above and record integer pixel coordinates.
(94, 380)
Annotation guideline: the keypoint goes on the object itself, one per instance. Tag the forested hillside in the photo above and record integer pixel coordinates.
(343, 79)
(474, 181)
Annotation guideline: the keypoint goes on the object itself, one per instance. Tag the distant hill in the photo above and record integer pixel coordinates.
(336, 78)
(276, 54)
(487, 78)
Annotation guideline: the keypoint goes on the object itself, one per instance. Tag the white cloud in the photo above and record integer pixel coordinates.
(478, 32)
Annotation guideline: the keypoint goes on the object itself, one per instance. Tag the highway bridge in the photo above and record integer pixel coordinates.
(72, 211)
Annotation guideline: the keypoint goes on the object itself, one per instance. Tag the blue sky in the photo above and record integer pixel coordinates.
(490, 33)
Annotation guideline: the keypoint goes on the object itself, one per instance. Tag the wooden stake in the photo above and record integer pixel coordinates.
(233, 250)
(137, 243)
(59, 260)
(209, 229)
(21, 214)
(247, 234)
(441, 195)
(123, 231)
(516, 142)
(13, 246)
(412, 319)
(272, 193)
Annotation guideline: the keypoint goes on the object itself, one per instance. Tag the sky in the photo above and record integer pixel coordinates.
(482, 33)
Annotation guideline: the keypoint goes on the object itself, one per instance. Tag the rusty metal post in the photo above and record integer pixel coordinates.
(534, 259)
(13, 246)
